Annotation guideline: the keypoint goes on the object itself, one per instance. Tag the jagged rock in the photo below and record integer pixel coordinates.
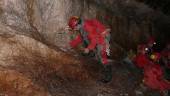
(32, 32)
(27, 62)
(13, 83)
(45, 20)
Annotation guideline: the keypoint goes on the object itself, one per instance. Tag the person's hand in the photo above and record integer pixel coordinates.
(106, 31)
(86, 50)
(67, 28)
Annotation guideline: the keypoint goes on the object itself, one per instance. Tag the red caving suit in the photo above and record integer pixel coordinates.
(96, 39)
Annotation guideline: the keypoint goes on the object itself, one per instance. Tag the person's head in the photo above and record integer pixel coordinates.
(74, 22)
(142, 49)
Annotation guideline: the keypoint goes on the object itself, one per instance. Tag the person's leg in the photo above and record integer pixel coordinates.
(107, 73)
(107, 68)
(98, 54)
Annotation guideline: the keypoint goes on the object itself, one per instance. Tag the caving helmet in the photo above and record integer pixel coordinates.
(73, 22)
(155, 56)
(142, 47)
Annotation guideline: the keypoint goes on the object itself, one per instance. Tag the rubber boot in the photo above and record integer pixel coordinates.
(90, 54)
(164, 93)
(107, 73)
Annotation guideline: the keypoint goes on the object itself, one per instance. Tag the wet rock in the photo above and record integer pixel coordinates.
(35, 56)
(29, 67)
(13, 83)
(45, 20)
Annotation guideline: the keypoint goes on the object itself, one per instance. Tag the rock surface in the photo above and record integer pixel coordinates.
(26, 66)
(36, 60)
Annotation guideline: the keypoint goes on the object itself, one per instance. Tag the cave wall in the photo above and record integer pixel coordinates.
(30, 28)
(40, 19)
(45, 20)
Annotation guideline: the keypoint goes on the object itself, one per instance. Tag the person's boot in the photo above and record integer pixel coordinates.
(164, 93)
(90, 54)
(107, 74)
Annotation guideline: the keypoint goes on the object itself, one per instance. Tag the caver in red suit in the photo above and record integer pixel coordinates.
(153, 73)
(153, 78)
(96, 35)
(141, 58)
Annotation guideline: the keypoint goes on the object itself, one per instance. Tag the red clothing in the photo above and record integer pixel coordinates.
(141, 60)
(153, 77)
(94, 31)
(77, 40)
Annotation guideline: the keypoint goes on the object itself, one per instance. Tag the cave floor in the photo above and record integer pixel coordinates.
(127, 81)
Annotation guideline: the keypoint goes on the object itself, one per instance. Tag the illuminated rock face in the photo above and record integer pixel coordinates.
(26, 62)
(40, 19)
(32, 34)
(43, 20)
(26, 66)
(13, 83)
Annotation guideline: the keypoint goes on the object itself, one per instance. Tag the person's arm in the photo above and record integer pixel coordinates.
(76, 41)
(100, 27)
(90, 28)
(93, 41)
